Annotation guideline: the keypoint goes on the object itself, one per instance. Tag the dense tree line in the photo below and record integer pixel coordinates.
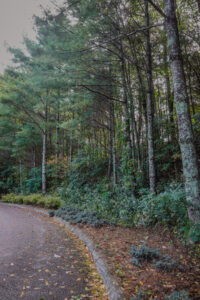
(110, 85)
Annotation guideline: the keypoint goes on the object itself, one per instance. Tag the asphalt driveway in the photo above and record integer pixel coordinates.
(39, 259)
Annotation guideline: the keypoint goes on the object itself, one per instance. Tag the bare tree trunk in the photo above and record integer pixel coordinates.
(198, 3)
(110, 148)
(63, 143)
(34, 159)
(104, 143)
(20, 177)
(186, 140)
(44, 149)
(112, 109)
(152, 177)
(170, 102)
(57, 139)
(71, 144)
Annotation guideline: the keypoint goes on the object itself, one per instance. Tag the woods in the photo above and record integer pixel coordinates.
(103, 109)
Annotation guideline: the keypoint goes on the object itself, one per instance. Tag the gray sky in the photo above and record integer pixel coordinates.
(15, 22)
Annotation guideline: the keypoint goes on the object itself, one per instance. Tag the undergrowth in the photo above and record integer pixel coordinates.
(76, 215)
(181, 295)
(120, 205)
(33, 199)
(144, 254)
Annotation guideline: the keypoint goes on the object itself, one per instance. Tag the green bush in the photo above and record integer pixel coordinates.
(143, 253)
(163, 263)
(168, 208)
(34, 199)
(75, 215)
(182, 295)
(117, 204)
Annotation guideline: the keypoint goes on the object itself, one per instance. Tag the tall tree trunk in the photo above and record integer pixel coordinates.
(152, 177)
(34, 160)
(20, 177)
(186, 140)
(44, 150)
(112, 127)
(57, 139)
(71, 144)
(110, 146)
(127, 112)
(198, 3)
(170, 101)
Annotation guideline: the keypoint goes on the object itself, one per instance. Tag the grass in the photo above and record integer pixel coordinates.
(52, 202)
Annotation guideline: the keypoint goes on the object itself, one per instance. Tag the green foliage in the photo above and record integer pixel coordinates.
(192, 231)
(141, 296)
(115, 204)
(182, 295)
(168, 208)
(51, 213)
(168, 264)
(66, 84)
(33, 182)
(144, 254)
(34, 199)
(76, 215)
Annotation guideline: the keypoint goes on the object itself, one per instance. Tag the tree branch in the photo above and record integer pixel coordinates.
(158, 9)
(101, 94)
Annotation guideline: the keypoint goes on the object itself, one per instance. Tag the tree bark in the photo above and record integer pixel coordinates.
(20, 177)
(186, 140)
(198, 3)
(44, 150)
(57, 139)
(112, 132)
(170, 101)
(152, 177)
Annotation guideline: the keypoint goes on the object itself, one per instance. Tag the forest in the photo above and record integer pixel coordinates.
(102, 111)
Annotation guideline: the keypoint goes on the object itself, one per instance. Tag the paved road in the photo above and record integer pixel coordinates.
(39, 259)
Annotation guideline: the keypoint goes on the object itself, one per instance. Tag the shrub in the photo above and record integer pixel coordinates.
(114, 204)
(34, 199)
(76, 215)
(143, 253)
(182, 295)
(51, 213)
(168, 264)
(168, 208)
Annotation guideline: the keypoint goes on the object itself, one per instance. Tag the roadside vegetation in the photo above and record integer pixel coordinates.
(33, 199)
(100, 119)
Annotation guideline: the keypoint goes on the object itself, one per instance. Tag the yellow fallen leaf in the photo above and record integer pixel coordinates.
(22, 294)
(47, 271)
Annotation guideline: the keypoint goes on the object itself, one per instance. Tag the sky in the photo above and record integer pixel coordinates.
(15, 22)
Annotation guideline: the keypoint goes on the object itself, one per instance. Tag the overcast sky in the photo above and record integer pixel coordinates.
(15, 22)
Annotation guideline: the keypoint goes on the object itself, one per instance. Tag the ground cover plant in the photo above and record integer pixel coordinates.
(76, 215)
(145, 254)
(33, 199)
(182, 295)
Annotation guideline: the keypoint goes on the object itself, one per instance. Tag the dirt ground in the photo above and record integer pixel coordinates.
(114, 244)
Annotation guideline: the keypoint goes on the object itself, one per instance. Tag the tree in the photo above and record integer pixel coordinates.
(186, 139)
